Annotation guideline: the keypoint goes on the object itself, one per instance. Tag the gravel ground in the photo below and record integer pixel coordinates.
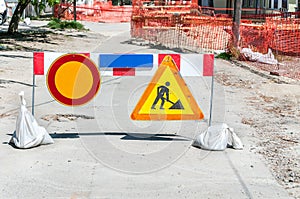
(288, 67)
(271, 109)
(281, 140)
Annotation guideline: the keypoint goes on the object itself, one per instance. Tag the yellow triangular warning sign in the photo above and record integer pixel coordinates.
(167, 97)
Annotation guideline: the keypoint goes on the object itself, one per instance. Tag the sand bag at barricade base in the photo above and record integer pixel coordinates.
(217, 138)
(28, 133)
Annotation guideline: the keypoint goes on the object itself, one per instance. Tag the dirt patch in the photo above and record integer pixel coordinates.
(273, 111)
(65, 117)
(278, 139)
(231, 80)
(288, 66)
(45, 39)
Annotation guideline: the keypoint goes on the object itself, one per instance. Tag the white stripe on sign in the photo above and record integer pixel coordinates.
(189, 64)
(49, 58)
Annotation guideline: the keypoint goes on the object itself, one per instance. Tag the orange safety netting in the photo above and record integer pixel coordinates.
(286, 35)
(98, 12)
(282, 35)
(188, 27)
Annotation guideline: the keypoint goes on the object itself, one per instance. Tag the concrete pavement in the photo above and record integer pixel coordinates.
(111, 156)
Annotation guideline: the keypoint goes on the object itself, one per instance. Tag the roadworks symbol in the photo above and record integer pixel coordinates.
(167, 97)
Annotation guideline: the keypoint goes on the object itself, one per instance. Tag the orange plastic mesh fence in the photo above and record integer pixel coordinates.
(255, 37)
(204, 33)
(185, 31)
(282, 35)
(99, 12)
(286, 37)
(138, 3)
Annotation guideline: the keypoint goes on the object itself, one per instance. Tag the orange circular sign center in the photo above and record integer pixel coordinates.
(73, 79)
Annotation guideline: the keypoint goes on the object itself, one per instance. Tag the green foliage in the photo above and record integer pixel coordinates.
(41, 5)
(59, 24)
(52, 2)
(38, 6)
(226, 56)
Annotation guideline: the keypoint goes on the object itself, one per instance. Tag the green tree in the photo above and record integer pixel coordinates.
(22, 4)
(38, 6)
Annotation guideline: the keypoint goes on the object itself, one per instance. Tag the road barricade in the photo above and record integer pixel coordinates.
(120, 64)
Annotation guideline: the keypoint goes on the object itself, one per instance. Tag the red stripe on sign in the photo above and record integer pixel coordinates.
(38, 63)
(85, 54)
(175, 57)
(208, 65)
(123, 72)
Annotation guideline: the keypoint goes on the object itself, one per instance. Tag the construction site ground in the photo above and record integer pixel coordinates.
(103, 156)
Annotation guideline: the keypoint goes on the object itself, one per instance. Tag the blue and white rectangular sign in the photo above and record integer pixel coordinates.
(125, 60)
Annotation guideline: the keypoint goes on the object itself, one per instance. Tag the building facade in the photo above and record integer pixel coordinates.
(256, 5)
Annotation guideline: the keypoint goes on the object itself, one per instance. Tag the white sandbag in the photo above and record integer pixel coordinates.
(268, 58)
(217, 138)
(234, 140)
(28, 133)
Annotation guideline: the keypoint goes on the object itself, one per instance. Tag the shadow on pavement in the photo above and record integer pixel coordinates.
(138, 42)
(124, 136)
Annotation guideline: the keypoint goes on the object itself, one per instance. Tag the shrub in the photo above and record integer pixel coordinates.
(59, 24)
(224, 55)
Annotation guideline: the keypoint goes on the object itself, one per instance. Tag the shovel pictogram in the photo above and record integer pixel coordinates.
(164, 90)
(176, 105)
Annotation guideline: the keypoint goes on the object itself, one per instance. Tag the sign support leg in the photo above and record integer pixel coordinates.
(211, 100)
(33, 92)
